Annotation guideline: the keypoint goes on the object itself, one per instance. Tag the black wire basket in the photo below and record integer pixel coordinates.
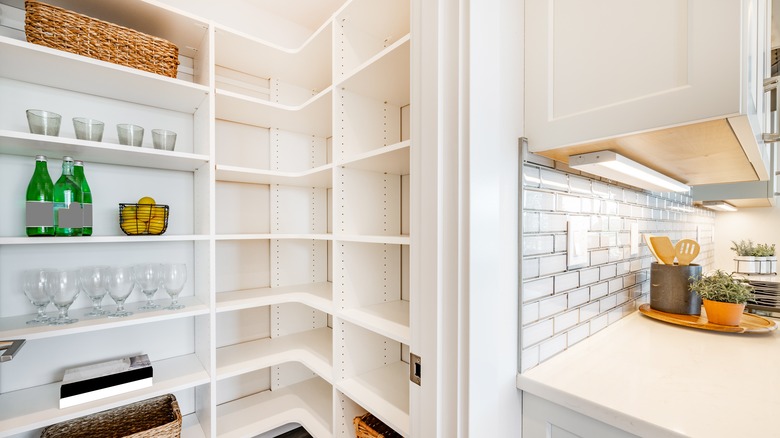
(143, 219)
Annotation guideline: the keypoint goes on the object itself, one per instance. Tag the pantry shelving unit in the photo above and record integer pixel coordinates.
(290, 193)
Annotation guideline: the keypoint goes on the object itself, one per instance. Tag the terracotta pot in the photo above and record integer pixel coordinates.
(723, 313)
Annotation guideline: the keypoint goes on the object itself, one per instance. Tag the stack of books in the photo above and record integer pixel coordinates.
(92, 382)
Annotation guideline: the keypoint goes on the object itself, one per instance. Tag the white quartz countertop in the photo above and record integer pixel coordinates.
(656, 379)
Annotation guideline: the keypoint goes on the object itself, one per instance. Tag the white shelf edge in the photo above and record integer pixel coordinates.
(308, 403)
(36, 407)
(393, 159)
(390, 319)
(362, 68)
(29, 145)
(317, 177)
(312, 348)
(315, 295)
(15, 327)
(371, 390)
(269, 236)
(190, 427)
(277, 106)
(50, 240)
(257, 40)
(357, 238)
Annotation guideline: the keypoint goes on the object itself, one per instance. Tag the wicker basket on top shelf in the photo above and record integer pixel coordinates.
(368, 426)
(157, 417)
(69, 31)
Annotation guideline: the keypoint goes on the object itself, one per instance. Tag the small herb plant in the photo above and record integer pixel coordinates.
(765, 250)
(720, 286)
(744, 248)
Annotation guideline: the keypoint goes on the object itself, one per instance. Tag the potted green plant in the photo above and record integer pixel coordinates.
(724, 297)
(765, 255)
(745, 260)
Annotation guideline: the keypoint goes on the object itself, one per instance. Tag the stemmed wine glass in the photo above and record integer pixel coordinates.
(34, 287)
(63, 288)
(148, 277)
(174, 275)
(120, 284)
(93, 280)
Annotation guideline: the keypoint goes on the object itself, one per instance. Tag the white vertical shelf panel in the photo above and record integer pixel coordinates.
(363, 124)
(369, 202)
(308, 403)
(313, 348)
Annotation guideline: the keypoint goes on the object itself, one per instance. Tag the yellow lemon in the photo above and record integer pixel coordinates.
(146, 200)
(158, 212)
(128, 212)
(156, 225)
(134, 226)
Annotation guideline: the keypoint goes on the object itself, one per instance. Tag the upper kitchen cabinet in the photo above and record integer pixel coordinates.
(676, 85)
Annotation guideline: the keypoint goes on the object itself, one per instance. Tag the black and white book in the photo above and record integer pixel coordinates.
(92, 382)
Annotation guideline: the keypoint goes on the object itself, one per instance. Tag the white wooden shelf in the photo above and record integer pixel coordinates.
(378, 77)
(36, 407)
(307, 66)
(15, 327)
(309, 403)
(58, 69)
(270, 236)
(29, 145)
(312, 117)
(312, 348)
(317, 177)
(384, 392)
(190, 427)
(390, 319)
(315, 295)
(393, 159)
(49, 240)
(391, 240)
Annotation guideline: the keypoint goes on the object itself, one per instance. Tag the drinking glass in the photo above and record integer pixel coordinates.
(148, 277)
(163, 139)
(34, 287)
(63, 288)
(88, 129)
(43, 122)
(130, 135)
(93, 281)
(120, 284)
(173, 278)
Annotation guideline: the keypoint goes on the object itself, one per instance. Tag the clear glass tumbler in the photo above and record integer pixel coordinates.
(34, 287)
(173, 278)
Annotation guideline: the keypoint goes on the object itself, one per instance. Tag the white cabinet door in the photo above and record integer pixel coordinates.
(607, 68)
(544, 419)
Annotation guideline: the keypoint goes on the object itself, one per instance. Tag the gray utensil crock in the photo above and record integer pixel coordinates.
(669, 289)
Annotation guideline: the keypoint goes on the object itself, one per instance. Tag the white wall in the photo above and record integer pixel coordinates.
(762, 225)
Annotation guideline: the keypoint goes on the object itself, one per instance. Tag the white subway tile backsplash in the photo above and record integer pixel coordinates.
(529, 358)
(622, 297)
(607, 272)
(600, 189)
(598, 323)
(530, 313)
(589, 276)
(615, 315)
(560, 242)
(533, 200)
(599, 257)
(530, 222)
(552, 265)
(616, 193)
(570, 204)
(554, 180)
(635, 265)
(598, 223)
(535, 333)
(534, 289)
(616, 224)
(577, 334)
(608, 239)
(530, 268)
(531, 176)
(609, 207)
(615, 285)
(579, 296)
(625, 210)
(607, 303)
(589, 311)
(552, 347)
(551, 306)
(566, 320)
(599, 290)
(552, 222)
(629, 280)
(579, 185)
(564, 282)
(534, 245)
(616, 254)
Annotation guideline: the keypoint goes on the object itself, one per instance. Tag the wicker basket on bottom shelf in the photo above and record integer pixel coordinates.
(369, 426)
(157, 417)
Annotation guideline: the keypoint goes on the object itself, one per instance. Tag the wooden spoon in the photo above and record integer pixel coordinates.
(663, 248)
(650, 247)
(686, 250)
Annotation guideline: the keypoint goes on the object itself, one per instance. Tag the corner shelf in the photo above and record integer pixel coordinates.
(274, 237)
(375, 78)
(390, 319)
(384, 392)
(357, 238)
(312, 348)
(15, 327)
(315, 295)
(29, 145)
(309, 403)
(55, 68)
(36, 407)
(392, 159)
(317, 177)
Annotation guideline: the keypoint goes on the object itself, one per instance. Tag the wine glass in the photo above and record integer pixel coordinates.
(148, 277)
(93, 282)
(120, 284)
(63, 288)
(34, 287)
(174, 275)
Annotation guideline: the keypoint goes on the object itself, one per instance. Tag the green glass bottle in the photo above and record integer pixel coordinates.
(68, 219)
(39, 206)
(86, 197)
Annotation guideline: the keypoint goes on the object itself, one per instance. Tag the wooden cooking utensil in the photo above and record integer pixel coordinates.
(686, 250)
(650, 247)
(663, 248)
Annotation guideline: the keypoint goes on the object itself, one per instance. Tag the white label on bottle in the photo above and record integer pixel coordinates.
(40, 214)
(87, 211)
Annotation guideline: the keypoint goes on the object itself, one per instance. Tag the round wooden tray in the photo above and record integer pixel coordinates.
(750, 323)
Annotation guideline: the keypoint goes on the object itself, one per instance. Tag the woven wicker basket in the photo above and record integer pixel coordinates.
(369, 426)
(66, 30)
(153, 418)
